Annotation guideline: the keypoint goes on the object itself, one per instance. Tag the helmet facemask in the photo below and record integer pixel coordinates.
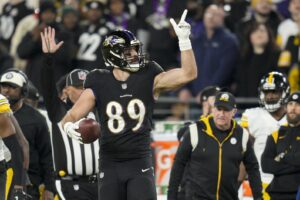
(272, 106)
(273, 82)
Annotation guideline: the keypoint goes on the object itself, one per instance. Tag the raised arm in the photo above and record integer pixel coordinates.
(176, 78)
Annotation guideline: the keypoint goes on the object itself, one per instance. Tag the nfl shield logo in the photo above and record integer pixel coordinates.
(81, 75)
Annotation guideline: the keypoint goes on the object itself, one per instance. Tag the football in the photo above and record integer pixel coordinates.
(90, 130)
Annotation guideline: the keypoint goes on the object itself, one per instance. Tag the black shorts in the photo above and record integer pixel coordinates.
(128, 180)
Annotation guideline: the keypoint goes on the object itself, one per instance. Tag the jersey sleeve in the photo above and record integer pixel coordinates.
(4, 105)
(92, 80)
(155, 68)
(245, 120)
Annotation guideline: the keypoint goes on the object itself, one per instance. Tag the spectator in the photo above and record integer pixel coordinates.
(89, 55)
(119, 18)
(30, 47)
(6, 61)
(262, 13)
(260, 56)
(162, 44)
(281, 156)
(216, 51)
(214, 147)
(289, 27)
(13, 12)
(293, 44)
(195, 16)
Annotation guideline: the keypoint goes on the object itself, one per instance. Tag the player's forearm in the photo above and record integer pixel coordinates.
(22, 141)
(69, 117)
(188, 65)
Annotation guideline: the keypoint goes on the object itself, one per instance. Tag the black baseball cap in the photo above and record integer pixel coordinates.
(208, 92)
(76, 77)
(225, 100)
(294, 97)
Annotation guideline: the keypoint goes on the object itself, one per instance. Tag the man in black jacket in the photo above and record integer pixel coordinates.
(214, 147)
(281, 156)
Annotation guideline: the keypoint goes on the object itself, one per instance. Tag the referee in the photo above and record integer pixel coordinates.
(75, 164)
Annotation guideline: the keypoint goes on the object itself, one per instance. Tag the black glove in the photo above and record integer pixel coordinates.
(19, 194)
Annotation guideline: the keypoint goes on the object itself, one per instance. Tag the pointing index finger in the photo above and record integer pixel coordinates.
(183, 16)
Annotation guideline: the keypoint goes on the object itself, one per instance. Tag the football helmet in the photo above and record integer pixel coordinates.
(273, 81)
(114, 49)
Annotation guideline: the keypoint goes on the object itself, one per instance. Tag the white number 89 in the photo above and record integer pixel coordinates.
(114, 111)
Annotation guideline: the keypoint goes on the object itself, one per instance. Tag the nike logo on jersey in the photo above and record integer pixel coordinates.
(126, 95)
(145, 170)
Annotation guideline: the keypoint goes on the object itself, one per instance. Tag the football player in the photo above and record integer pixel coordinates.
(124, 95)
(273, 90)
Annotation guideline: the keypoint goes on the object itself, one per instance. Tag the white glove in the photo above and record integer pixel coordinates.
(183, 31)
(280, 156)
(70, 128)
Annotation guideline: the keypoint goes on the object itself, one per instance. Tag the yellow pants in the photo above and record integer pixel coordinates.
(265, 194)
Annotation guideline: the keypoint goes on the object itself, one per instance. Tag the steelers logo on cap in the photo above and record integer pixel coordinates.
(224, 97)
(9, 75)
(295, 97)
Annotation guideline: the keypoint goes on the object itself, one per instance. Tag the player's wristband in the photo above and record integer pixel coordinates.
(185, 45)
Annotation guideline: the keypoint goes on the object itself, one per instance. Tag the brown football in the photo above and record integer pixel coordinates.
(90, 130)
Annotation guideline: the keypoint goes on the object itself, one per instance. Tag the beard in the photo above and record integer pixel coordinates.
(293, 119)
(13, 101)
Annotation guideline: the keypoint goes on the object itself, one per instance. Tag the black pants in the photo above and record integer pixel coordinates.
(128, 180)
(283, 196)
(34, 192)
(77, 190)
(2, 179)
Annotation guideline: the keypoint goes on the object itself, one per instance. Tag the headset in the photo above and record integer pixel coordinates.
(24, 89)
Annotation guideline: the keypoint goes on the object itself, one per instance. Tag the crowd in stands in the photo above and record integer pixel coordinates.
(235, 42)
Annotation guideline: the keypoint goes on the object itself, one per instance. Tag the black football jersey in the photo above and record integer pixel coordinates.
(125, 111)
(9, 19)
(89, 55)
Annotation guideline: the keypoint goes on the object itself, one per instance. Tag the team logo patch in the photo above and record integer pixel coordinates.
(124, 86)
(112, 40)
(101, 175)
(81, 75)
(233, 141)
(295, 97)
(224, 97)
(76, 187)
(9, 75)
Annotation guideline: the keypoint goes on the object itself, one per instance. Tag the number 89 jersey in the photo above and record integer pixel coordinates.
(125, 111)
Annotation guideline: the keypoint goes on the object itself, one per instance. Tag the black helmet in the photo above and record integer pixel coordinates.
(274, 81)
(113, 49)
